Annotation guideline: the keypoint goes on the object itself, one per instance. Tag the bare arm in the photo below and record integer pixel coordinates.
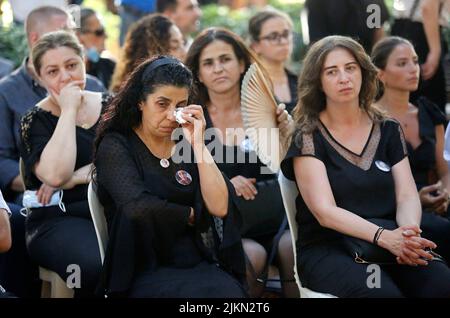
(441, 164)
(378, 34)
(430, 17)
(213, 187)
(409, 210)
(80, 176)
(5, 230)
(57, 162)
(111, 6)
(311, 177)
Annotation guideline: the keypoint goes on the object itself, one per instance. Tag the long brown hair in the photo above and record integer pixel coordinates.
(312, 99)
(380, 55)
(147, 37)
(205, 38)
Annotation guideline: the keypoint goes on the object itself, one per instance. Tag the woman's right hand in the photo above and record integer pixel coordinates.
(245, 187)
(70, 96)
(405, 243)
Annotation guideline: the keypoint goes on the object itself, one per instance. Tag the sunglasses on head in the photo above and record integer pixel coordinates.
(98, 32)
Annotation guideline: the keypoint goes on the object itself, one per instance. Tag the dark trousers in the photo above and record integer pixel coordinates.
(18, 274)
(57, 240)
(331, 269)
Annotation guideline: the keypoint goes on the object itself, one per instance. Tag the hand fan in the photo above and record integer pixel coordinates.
(258, 107)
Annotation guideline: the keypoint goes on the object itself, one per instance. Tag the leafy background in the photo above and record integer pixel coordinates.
(13, 43)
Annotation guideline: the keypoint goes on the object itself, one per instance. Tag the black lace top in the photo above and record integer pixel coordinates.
(37, 127)
(360, 182)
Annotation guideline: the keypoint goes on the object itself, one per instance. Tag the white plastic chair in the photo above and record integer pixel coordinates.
(98, 217)
(53, 286)
(289, 192)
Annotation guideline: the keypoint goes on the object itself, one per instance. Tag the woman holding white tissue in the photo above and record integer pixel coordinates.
(171, 222)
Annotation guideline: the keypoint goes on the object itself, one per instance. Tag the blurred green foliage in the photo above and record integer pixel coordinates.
(237, 21)
(13, 43)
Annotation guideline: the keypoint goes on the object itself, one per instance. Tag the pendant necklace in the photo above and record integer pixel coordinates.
(164, 163)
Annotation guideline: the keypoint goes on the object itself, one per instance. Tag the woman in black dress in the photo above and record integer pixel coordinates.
(423, 125)
(351, 167)
(171, 220)
(219, 59)
(57, 138)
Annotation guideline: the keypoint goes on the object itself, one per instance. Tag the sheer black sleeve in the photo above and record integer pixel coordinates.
(35, 133)
(397, 149)
(302, 145)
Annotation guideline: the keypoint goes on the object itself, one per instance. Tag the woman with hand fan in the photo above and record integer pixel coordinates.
(219, 59)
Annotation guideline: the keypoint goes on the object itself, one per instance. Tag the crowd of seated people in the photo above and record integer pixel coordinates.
(369, 165)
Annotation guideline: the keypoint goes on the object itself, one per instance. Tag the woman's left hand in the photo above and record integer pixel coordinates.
(194, 128)
(284, 120)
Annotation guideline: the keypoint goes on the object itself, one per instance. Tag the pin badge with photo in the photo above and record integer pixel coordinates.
(383, 166)
(183, 177)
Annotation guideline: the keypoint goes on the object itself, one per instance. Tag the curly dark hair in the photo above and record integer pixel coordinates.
(123, 113)
(147, 37)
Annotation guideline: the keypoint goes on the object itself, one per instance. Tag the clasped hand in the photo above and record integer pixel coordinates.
(406, 243)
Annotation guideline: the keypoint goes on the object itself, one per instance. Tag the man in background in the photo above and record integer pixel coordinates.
(184, 13)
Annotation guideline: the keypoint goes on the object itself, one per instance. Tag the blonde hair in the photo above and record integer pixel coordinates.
(52, 41)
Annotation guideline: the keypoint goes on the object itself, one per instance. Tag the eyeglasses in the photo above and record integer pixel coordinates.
(98, 32)
(275, 37)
